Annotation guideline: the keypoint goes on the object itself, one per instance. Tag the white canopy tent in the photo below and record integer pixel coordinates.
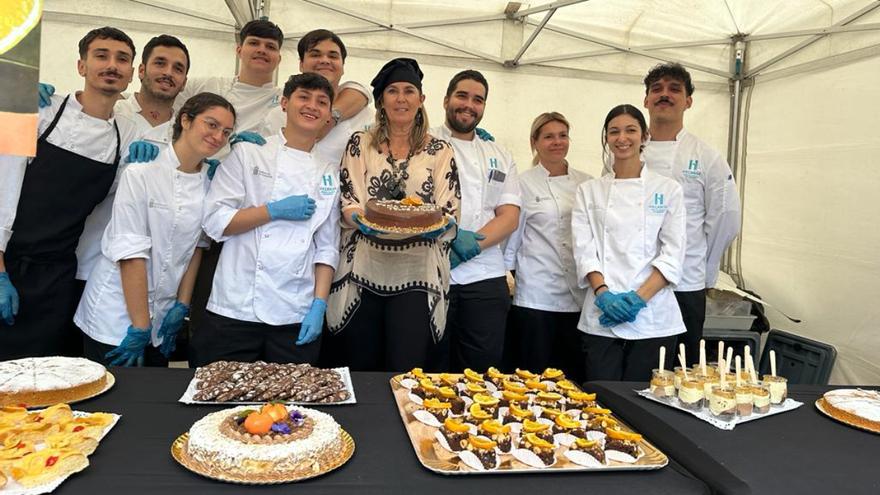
(785, 88)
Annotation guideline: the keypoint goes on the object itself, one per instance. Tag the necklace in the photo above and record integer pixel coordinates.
(399, 174)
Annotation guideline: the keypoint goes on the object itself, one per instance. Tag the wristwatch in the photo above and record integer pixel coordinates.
(336, 115)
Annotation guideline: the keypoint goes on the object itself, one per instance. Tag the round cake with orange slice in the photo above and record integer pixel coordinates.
(275, 438)
(408, 213)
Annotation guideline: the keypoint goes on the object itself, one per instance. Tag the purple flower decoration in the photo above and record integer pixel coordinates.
(281, 428)
(297, 418)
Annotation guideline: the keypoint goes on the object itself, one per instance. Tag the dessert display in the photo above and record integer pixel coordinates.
(778, 384)
(744, 401)
(274, 443)
(230, 381)
(43, 381)
(38, 448)
(410, 213)
(518, 422)
(662, 383)
(690, 395)
(856, 407)
(722, 403)
(760, 398)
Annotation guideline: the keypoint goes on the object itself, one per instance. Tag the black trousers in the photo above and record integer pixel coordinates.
(622, 359)
(95, 351)
(693, 311)
(219, 338)
(538, 339)
(476, 323)
(386, 333)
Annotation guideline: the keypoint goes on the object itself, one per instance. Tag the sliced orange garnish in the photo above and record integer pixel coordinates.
(566, 421)
(618, 434)
(537, 441)
(525, 374)
(472, 375)
(513, 396)
(448, 393)
(552, 373)
(536, 385)
(549, 396)
(494, 372)
(581, 396)
(514, 387)
(455, 425)
(478, 413)
(530, 426)
(585, 444)
(519, 412)
(485, 400)
(493, 427)
(436, 404)
(482, 443)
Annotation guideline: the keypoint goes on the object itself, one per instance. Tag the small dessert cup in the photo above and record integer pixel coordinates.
(744, 404)
(690, 395)
(679, 376)
(662, 384)
(760, 398)
(722, 403)
(708, 383)
(778, 389)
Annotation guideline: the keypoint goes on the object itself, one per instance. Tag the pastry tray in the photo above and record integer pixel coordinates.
(705, 415)
(435, 458)
(191, 389)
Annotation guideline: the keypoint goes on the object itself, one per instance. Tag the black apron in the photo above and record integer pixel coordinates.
(59, 191)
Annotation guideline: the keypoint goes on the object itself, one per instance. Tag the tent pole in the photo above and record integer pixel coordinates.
(737, 63)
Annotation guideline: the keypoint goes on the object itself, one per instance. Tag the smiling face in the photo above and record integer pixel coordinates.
(401, 101)
(259, 55)
(164, 74)
(107, 66)
(624, 137)
(308, 110)
(207, 132)
(324, 58)
(552, 142)
(465, 106)
(666, 100)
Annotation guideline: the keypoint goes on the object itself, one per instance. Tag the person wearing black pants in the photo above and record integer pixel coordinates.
(476, 323)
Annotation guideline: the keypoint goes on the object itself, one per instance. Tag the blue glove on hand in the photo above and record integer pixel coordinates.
(299, 207)
(247, 137)
(45, 91)
(171, 325)
(484, 135)
(142, 152)
(363, 228)
(631, 303)
(434, 234)
(465, 244)
(608, 303)
(8, 299)
(607, 321)
(130, 351)
(212, 167)
(312, 323)
(454, 260)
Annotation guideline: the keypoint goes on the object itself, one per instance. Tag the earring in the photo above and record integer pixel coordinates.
(419, 118)
(382, 118)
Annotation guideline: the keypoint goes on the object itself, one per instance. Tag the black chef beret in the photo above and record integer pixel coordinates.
(397, 70)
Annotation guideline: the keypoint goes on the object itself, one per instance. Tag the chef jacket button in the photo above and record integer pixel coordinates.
(259, 266)
(266, 234)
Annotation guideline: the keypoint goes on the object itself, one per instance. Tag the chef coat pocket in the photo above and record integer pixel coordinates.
(492, 194)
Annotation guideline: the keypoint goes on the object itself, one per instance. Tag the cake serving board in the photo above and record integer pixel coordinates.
(820, 405)
(13, 488)
(435, 458)
(192, 389)
(705, 415)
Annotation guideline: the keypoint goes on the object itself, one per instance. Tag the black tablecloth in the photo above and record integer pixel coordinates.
(800, 451)
(135, 457)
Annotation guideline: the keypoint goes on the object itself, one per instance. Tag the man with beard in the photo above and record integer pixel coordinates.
(479, 297)
(44, 201)
(710, 194)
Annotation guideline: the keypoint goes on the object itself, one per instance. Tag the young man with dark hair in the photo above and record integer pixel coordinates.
(710, 194)
(479, 297)
(44, 201)
(276, 208)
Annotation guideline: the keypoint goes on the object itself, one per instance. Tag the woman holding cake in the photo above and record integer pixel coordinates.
(388, 301)
(628, 229)
(139, 292)
(547, 301)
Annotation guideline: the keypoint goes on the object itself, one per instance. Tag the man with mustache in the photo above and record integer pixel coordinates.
(479, 297)
(710, 194)
(44, 201)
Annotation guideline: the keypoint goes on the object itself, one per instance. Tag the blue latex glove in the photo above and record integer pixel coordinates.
(247, 137)
(465, 244)
(454, 260)
(130, 351)
(609, 303)
(8, 299)
(434, 234)
(484, 135)
(45, 91)
(313, 322)
(363, 228)
(298, 207)
(171, 325)
(607, 321)
(142, 152)
(631, 303)
(212, 167)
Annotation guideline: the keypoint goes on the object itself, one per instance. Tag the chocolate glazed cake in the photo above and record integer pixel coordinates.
(402, 214)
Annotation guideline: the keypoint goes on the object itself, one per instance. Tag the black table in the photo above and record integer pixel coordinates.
(798, 452)
(135, 457)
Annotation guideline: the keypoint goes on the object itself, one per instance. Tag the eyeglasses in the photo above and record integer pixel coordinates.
(215, 126)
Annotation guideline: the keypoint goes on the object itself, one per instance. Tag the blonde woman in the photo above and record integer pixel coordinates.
(547, 302)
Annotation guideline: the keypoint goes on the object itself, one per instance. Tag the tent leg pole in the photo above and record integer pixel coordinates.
(733, 139)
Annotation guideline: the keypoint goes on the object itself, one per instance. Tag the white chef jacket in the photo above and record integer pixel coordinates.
(88, 251)
(156, 216)
(711, 199)
(77, 132)
(540, 249)
(622, 228)
(267, 274)
(488, 178)
(332, 146)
